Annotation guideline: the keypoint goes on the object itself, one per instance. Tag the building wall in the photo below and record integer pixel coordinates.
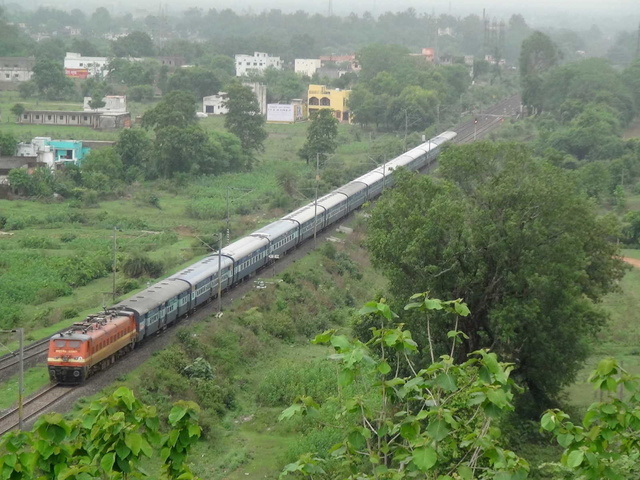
(320, 97)
(77, 66)
(214, 104)
(16, 69)
(96, 120)
(258, 62)
(113, 103)
(306, 66)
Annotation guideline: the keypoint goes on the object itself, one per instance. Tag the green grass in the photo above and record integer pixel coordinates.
(34, 379)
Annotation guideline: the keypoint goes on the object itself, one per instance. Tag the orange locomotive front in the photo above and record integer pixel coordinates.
(90, 346)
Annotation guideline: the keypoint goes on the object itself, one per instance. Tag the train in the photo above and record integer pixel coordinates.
(98, 341)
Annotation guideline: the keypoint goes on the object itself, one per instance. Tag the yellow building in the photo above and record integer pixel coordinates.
(319, 97)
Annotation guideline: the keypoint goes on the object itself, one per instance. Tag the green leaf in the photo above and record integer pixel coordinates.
(384, 368)
(465, 472)
(409, 431)
(565, 439)
(133, 440)
(575, 458)
(356, 440)
(177, 412)
(290, 412)
(446, 381)
(424, 458)
(438, 429)
(548, 421)
(461, 309)
(122, 450)
(107, 461)
(346, 377)
(340, 342)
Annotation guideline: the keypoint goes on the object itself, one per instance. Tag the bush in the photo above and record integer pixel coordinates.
(70, 312)
(67, 237)
(37, 242)
(139, 265)
(282, 384)
(126, 285)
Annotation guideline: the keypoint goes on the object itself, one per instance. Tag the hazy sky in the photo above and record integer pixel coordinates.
(606, 13)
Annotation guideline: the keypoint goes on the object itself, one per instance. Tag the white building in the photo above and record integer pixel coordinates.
(307, 66)
(214, 104)
(256, 63)
(16, 69)
(77, 66)
(285, 113)
(113, 103)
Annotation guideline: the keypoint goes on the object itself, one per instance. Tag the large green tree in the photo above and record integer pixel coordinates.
(50, 82)
(515, 239)
(176, 109)
(136, 44)
(196, 80)
(244, 119)
(537, 56)
(321, 136)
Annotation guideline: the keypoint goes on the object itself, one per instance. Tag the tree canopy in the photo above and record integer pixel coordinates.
(321, 135)
(244, 119)
(176, 109)
(515, 239)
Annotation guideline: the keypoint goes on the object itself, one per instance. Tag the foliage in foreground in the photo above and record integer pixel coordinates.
(435, 423)
(106, 441)
(607, 443)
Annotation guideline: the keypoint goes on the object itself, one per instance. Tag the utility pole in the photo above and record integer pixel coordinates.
(113, 296)
(228, 214)
(315, 203)
(220, 272)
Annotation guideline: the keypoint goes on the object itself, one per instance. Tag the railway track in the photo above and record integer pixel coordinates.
(33, 407)
(34, 353)
(487, 120)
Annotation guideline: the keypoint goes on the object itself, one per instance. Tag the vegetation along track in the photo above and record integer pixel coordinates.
(34, 353)
(33, 407)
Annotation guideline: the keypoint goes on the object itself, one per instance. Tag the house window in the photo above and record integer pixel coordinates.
(61, 117)
(325, 102)
(73, 117)
(7, 75)
(25, 116)
(86, 118)
(48, 117)
(37, 117)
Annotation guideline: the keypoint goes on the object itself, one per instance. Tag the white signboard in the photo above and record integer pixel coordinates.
(280, 113)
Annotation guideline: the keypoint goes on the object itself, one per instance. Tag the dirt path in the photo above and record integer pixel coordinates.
(632, 261)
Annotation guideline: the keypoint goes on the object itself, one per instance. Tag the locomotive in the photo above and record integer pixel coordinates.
(99, 340)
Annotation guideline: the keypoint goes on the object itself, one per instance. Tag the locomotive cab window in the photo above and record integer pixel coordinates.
(60, 343)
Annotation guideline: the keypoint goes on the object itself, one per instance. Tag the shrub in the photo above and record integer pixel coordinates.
(126, 285)
(67, 237)
(69, 312)
(282, 384)
(37, 242)
(138, 265)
